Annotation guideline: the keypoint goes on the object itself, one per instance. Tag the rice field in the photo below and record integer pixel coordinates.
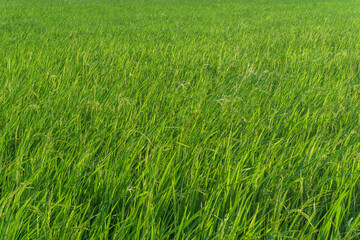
(179, 119)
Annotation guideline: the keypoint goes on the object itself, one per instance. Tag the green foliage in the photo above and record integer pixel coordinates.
(136, 119)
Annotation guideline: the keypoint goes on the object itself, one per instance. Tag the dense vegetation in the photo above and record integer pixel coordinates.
(179, 119)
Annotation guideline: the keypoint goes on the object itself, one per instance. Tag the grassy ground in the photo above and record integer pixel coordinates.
(179, 119)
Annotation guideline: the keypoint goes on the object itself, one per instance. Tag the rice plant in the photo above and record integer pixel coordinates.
(179, 119)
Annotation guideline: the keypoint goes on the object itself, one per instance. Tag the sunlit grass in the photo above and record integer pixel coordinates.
(179, 119)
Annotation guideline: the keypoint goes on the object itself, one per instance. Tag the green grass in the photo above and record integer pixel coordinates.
(179, 119)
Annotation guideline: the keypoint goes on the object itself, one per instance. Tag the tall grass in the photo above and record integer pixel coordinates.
(179, 119)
